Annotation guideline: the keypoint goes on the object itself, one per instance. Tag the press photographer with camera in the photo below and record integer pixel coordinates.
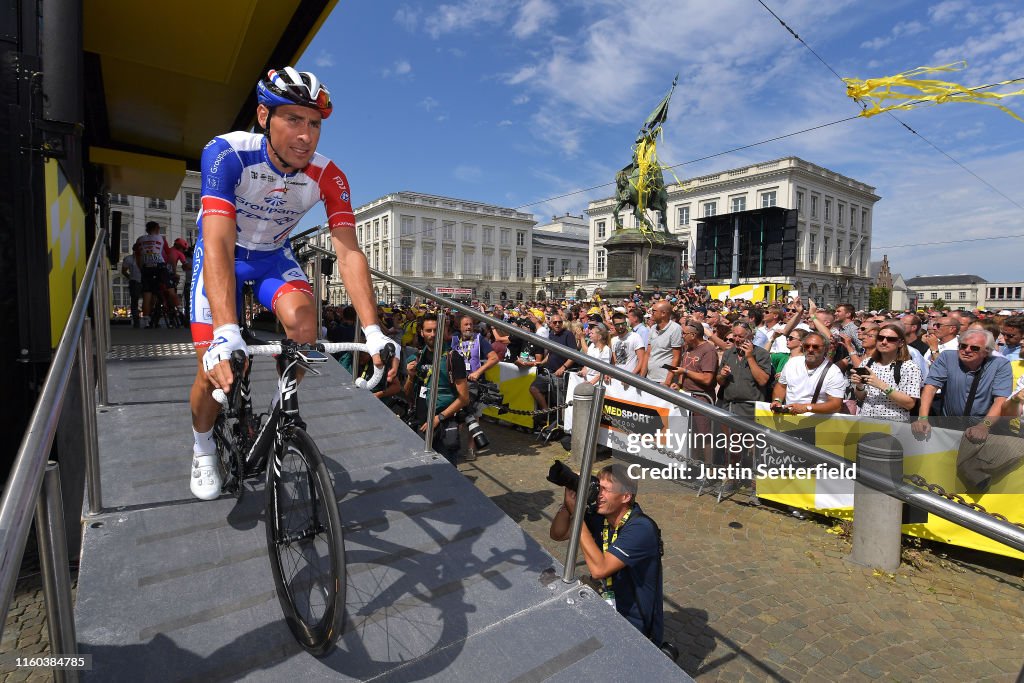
(627, 563)
(452, 391)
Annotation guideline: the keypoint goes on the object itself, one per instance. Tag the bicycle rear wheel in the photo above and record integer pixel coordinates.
(304, 536)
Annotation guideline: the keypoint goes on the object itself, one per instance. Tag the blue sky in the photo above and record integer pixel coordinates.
(516, 102)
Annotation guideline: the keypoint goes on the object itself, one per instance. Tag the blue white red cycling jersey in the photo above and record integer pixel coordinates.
(240, 182)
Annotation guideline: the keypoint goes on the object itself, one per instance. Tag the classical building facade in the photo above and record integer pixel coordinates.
(560, 255)
(961, 292)
(431, 241)
(834, 224)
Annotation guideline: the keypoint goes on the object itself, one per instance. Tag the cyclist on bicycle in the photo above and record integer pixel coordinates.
(255, 188)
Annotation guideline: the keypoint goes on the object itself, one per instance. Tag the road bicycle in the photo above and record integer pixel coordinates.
(304, 533)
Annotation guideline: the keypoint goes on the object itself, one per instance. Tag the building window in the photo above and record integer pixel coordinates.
(155, 203)
(800, 202)
(963, 296)
(376, 257)
(488, 269)
(825, 251)
(428, 228)
(449, 261)
(839, 252)
(193, 201)
(739, 204)
(520, 267)
(488, 234)
(407, 259)
(386, 263)
(863, 257)
(376, 229)
(710, 208)
(448, 228)
(359, 234)
(504, 266)
(814, 206)
(853, 216)
(812, 247)
(768, 199)
(467, 232)
(828, 210)
(408, 225)
(565, 267)
(520, 238)
(551, 267)
(384, 226)
(536, 266)
(119, 199)
(506, 236)
(840, 212)
(683, 214)
(686, 256)
(602, 231)
(428, 260)
(600, 260)
(863, 220)
(1016, 292)
(579, 267)
(467, 263)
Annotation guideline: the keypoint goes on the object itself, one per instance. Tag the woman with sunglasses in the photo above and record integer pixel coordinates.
(887, 383)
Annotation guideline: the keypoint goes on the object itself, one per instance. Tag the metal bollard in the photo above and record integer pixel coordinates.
(91, 434)
(877, 516)
(592, 418)
(582, 407)
(53, 558)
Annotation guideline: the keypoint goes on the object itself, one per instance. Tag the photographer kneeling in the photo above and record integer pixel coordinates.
(452, 391)
(627, 563)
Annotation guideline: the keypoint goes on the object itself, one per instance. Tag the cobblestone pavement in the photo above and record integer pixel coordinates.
(751, 593)
(755, 594)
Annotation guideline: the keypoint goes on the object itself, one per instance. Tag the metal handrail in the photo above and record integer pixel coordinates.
(18, 505)
(990, 527)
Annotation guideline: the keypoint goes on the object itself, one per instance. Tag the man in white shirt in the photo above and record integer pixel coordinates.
(800, 379)
(627, 346)
(943, 335)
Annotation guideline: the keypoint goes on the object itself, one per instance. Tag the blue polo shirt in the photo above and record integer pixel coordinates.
(950, 375)
(637, 547)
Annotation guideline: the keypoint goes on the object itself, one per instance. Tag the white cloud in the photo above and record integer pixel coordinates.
(468, 173)
(523, 75)
(947, 10)
(429, 103)
(407, 18)
(324, 59)
(401, 68)
(533, 15)
(520, 99)
(504, 122)
(468, 15)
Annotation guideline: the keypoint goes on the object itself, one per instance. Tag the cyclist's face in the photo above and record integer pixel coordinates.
(294, 132)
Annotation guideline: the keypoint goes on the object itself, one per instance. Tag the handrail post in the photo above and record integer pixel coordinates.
(877, 516)
(90, 433)
(102, 325)
(53, 559)
(586, 463)
(356, 356)
(434, 373)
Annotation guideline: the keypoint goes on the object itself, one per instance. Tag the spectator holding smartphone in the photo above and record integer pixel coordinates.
(887, 384)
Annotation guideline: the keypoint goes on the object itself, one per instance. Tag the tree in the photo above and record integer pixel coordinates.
(939, 304)
(879, 298)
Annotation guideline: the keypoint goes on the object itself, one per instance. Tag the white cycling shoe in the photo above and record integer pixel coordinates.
(205, 480)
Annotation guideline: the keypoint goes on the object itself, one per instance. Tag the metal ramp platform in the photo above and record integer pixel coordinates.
(441, 584)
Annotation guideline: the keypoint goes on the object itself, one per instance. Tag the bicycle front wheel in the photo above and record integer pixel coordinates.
(307, 553)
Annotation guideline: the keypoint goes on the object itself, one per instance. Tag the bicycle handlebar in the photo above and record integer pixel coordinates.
(327, 347)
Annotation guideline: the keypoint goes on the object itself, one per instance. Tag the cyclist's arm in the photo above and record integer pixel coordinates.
(219, 268)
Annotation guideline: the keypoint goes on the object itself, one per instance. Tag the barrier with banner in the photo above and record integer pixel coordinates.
(630, 411)
(514, 383)
(934, 459)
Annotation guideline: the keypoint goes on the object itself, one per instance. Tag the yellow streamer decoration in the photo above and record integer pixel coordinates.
(926, 92)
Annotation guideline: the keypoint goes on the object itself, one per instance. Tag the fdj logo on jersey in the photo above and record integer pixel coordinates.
(276, 197)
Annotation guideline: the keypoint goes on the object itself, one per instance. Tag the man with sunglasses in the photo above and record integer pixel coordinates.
(809, 383)
(556, 365)
(974, 384)
(627, 347)
(255, 188)
(942, 336)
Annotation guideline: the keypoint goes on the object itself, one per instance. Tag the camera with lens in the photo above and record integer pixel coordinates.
(562, 475)
(485, 393)
(473, 427)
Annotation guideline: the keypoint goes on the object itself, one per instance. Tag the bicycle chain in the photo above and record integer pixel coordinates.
(921, 482)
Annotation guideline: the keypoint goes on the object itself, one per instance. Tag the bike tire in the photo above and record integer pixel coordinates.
(313, 607)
